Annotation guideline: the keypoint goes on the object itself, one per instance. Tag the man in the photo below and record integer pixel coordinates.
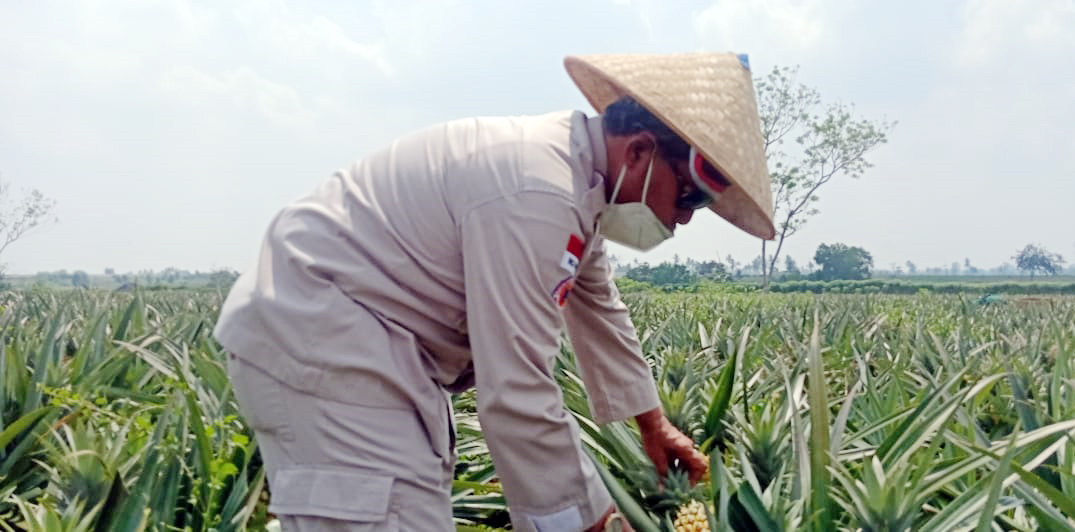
(452, 259)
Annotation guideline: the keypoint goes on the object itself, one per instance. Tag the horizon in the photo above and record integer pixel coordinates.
(1006, 269)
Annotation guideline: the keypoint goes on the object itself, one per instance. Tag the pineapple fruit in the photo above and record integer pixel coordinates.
(691, 517)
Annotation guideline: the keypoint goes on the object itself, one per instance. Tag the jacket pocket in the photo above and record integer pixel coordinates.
(261, 399)
(342, 494)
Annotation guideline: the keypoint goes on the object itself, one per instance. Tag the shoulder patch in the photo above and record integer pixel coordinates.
(562, 290)
(573, 254)
(569, 262)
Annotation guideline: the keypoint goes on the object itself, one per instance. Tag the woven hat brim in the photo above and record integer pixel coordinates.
(709, 100)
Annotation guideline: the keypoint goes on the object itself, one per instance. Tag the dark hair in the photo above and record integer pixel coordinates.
(627, 117)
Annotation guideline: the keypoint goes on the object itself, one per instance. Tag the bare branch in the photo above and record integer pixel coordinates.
(31, 211)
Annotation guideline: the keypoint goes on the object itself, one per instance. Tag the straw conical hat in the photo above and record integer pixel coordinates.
(708, 99)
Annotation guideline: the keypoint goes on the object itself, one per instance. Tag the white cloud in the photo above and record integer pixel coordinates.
(1009, 77)
(128, 31)
(329, 35)
(644, 13)
(1004, 30)
(775, 28)
(242, 89)
(423, 30)
(99, 62)
(300, 36)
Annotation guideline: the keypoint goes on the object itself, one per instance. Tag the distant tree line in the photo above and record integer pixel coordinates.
(890, 286)
(169, 277)
(677, 273)
(836, 261)
(832, 262)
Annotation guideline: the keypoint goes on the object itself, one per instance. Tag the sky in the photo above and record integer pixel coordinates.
(169, 132)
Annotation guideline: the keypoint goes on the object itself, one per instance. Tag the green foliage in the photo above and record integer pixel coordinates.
(665, 273)
(807, 143)
(117, 415)
(840, 261)
(80, 279)
(1036, 259)
(166, 279)
(881, 286)
(864, 413)
(677, 274)
(626, 285)
(818, 412)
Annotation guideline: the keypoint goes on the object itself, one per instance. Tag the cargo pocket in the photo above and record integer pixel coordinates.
(341, 494)
(439, 426)
(261, 399)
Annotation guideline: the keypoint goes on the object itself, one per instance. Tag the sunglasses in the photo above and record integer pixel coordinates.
(691, 197)
(706, 183)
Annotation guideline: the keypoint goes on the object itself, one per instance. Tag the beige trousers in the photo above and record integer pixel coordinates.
(336, 466)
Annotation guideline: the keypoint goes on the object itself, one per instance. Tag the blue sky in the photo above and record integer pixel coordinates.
(170, 131)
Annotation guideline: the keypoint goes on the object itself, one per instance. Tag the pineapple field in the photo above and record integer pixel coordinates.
(847, 412)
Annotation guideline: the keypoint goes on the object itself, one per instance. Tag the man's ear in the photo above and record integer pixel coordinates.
(640, 148)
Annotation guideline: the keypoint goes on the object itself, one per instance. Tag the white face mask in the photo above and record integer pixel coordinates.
(632, 224)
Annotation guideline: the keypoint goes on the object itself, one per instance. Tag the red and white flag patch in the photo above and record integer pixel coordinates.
(569, 262)
(572, 255)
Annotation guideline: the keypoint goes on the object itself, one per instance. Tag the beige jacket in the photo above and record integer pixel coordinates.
(453, 258)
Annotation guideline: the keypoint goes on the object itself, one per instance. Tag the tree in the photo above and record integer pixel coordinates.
(791, 270)
(223, 278)
(80, 279)
(1037, 259)
(911, 268)
(840, 261)
(665, 273)
(1004, 269)
(790, 266)
(712, 270)
(733, 265)
(18, 217)
(970, 268)
(828, 141)
(756, 265)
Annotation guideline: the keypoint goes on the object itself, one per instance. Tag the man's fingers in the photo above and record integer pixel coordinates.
(697, 472)
(696, 465)
(692, 470)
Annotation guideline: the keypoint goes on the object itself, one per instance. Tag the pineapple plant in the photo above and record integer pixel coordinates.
(858, 413)
(830, 412)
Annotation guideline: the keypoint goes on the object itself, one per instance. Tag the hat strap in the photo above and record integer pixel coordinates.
(623, 173)
(649, 174)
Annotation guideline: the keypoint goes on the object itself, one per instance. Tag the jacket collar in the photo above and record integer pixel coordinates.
(596, 132)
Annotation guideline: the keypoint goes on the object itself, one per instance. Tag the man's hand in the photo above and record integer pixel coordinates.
(664, 443)
(606, 524)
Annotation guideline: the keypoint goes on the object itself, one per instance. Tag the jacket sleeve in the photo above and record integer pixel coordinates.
(619, 383)
(512, 251)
